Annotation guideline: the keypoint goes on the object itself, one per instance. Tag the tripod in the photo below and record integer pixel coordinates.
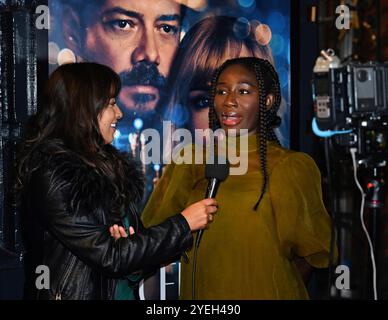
(374, 202)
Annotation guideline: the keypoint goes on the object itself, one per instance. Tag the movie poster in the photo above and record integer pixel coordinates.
(165, 52)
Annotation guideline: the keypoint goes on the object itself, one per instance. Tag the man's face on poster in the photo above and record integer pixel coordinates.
(138, 40)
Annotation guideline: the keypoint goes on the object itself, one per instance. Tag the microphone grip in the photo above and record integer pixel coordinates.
(211, 192)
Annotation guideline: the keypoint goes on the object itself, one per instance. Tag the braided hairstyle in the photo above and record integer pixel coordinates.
(268, 83)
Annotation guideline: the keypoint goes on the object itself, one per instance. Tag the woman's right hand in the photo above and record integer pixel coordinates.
(200, 214)
(118, 232)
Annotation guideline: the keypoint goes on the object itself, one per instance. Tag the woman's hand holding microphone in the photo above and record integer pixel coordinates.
(198, 215)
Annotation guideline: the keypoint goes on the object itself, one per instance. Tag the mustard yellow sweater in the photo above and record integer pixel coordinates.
(247, 254)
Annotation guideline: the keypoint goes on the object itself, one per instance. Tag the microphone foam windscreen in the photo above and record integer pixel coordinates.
(219, 169)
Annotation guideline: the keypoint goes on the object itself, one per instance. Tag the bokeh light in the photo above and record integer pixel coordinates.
(53, 51)
(277, 44)
(132, 138)
(246, 3)
(117, 134)
(138, 123)
(66, 56)
(242, 28)
(277, 22)
(263, 34)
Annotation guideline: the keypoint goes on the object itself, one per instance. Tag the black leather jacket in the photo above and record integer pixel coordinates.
(66, 224)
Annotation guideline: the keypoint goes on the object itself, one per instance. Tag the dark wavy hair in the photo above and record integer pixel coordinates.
(74, 97)
(268, 83)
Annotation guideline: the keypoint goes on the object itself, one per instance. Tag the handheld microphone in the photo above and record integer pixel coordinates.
(216, 173)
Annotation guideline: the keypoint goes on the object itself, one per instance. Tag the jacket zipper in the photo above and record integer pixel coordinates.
(58, 294)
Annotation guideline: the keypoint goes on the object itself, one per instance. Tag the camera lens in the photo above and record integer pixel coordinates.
(362, 75)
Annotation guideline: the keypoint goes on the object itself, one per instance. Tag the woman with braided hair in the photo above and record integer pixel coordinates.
(270, 217)
(203, 49)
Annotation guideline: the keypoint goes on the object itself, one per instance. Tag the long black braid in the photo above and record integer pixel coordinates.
(268, 82)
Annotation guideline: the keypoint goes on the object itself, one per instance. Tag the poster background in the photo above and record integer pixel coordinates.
(276, 14)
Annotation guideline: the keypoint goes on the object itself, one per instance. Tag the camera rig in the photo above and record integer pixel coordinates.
(351, 102)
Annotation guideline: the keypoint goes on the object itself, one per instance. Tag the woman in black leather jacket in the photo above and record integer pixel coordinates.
(73, 186)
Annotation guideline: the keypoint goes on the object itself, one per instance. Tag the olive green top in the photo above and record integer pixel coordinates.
(247, 254)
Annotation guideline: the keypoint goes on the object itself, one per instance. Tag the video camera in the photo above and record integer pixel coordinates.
(351, 102)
